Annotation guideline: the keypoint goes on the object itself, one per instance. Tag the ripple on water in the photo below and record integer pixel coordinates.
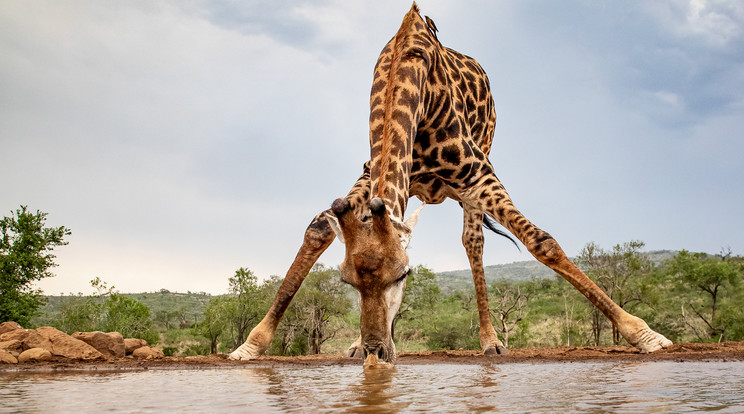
(576, 387)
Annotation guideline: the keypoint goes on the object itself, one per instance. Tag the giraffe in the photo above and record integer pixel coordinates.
(431, 123)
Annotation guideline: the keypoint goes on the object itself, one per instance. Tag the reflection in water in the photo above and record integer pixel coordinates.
(374, 393)
(574, 387)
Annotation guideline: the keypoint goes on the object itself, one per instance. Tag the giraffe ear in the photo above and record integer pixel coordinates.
(413, 218)
(335, 226)
(410, 223)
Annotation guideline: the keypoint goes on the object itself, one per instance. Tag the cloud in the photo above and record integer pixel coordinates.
(182, 140)
(686, 49)
(715, 23)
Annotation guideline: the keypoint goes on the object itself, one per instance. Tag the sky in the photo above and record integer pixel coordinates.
(181, 140)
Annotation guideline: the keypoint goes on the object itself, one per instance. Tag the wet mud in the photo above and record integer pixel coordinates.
(682, 352)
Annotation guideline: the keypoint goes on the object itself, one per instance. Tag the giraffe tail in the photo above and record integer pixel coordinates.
(492, 225)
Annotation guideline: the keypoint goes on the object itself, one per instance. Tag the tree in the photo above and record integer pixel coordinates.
(228, 318)
(26, 247)
(713, 276)
(129, 317)
(215, 322)
(510, 302)
(619, 274)
(322, 299)
(452, 323)
(163, 317)
(244, 309)
(78, 313)
(421, 294)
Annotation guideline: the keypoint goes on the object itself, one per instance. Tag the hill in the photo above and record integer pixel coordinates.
(454, 280)
(171, 308)
(183, 309)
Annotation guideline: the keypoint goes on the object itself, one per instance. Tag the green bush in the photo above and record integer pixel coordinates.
(452, 332)
(170, 350)
(128, 317)
(195, 349)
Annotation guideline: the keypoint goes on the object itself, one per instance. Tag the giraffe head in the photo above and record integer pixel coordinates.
(376, 265)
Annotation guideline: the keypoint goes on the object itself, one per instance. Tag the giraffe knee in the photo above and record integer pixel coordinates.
(472, 240)
(547, 250)
(319, 233)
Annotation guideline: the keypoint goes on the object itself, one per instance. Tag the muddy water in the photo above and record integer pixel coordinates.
(665, 387)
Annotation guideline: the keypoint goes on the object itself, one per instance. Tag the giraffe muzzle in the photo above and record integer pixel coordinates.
(378, 350)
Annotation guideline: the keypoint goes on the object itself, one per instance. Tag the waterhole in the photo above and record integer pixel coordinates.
(665, 387)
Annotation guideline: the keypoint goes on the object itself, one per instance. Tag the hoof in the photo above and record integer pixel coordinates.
(355, 353)
(652, 341)
(497, 350)
(644, 338)
(244, 353)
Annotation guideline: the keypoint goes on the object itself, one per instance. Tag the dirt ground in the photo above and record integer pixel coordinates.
(726, 351)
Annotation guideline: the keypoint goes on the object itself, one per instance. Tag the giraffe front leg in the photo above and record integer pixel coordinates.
(355, 350)
(318, 237)
(472, 239)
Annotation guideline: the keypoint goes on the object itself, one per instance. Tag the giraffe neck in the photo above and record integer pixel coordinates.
(396, 105)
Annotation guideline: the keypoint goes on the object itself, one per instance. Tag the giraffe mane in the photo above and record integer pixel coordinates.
(404, 30)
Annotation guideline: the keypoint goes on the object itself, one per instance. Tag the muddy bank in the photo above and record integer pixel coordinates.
(727, 351)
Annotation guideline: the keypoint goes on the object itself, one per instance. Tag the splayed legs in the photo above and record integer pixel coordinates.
(472, 239)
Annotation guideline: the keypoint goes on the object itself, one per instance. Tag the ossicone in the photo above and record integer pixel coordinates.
(340, 206)
(343, 221)
(377, 206)
(380, 218)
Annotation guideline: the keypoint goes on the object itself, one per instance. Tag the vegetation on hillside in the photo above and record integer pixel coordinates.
(685, 296)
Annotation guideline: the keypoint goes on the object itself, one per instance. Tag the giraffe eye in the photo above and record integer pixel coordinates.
(407, 272)
(414, 54)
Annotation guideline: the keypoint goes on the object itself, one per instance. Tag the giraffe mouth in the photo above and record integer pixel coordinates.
(376, 353)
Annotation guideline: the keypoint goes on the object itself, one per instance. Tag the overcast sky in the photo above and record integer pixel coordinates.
(180, 140)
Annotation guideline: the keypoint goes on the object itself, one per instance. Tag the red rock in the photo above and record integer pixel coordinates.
(35, 355)
(67, 346)
(7, 358)
(130, 344)
(13, 347)
(111, 345)
(148, 352)
(9, 326)
(28, 337)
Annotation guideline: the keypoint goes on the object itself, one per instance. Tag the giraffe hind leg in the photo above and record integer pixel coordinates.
(491, 196)
(472, 239)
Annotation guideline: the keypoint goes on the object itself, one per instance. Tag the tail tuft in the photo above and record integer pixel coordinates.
(492, 225)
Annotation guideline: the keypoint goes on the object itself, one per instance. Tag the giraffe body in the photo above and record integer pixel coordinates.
(432, 121)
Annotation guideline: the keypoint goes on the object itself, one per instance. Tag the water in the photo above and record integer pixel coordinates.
(658, 387)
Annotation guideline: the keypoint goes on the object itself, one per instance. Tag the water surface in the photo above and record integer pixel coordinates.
(632, 387)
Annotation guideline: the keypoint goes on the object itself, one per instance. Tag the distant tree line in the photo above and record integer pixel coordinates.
(690, 297)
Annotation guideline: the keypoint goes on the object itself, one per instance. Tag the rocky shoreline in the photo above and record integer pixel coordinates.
(20, 346)
(99, 351)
